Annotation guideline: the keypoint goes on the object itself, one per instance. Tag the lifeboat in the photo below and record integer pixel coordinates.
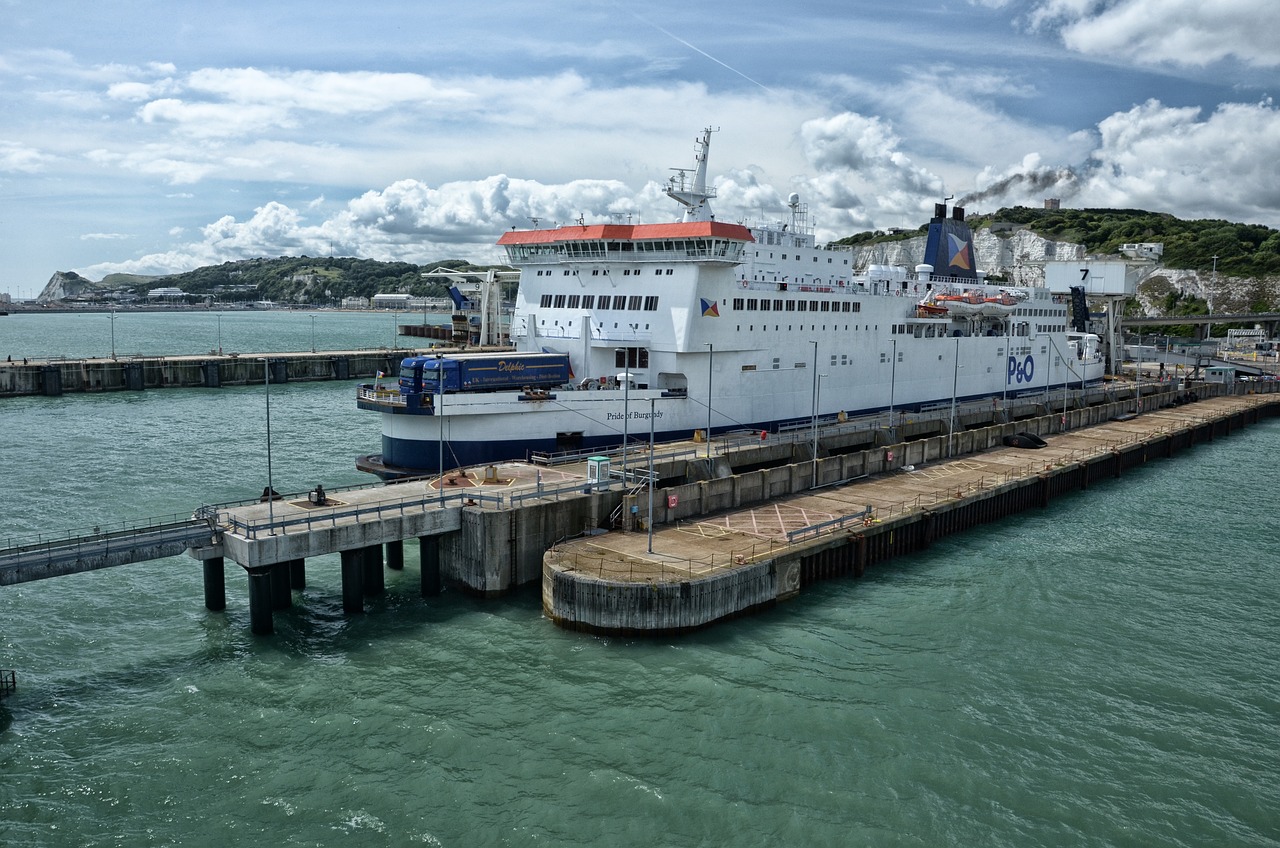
(927, 308)
(1000, 305)
(968, 303)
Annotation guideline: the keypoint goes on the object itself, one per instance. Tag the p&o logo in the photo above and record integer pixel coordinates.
(1021, 372)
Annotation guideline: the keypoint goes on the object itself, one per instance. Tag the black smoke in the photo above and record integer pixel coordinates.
(1062, 182)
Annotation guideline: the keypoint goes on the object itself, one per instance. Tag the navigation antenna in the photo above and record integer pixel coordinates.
(694, 197)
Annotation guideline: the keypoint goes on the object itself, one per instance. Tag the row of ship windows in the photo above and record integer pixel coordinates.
(604, 301)
(569, 324)
(843, 359)
(764, 304)
(815, 259)
(764, 328)
(1022, 350)
(919, 331)
(595, 272)
(929, 331)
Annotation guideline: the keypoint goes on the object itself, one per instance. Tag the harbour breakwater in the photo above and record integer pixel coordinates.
(54, 377)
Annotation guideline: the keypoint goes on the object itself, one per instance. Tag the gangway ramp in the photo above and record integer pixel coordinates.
(93, 550)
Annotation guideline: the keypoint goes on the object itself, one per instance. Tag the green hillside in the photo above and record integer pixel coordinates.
(1243, 250)
(305, 280)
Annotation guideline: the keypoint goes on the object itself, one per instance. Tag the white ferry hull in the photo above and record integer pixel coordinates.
(487, 428)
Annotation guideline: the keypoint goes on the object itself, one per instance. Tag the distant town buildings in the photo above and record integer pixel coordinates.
(405, 302)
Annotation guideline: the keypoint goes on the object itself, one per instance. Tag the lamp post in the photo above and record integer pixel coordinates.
(955, 380)
(815, 410)
(271, 489)
(113, 334)
(313, 334)
(893, 375)
(1004, 387)
(395, 319)
(440, 416)
(1137, 376)
(652, 482)
(626, 405)
(219, 333)
(817, 405)
(711, 358)
(1208, 299)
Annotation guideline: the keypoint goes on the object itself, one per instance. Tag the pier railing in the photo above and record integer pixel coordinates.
(253, 528)
(51, 558)
(638, 448)
(126, 527)
(834, 524)
(554, 492)
(607, 566)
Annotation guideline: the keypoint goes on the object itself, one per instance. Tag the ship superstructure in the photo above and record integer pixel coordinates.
(702, 323)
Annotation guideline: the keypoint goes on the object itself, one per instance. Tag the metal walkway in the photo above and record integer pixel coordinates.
(91, 551)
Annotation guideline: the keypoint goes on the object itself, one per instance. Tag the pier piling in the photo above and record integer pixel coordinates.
(395, 555)
(429, 552)
(260, 600)
(374, 580)
(298, 574)
(352, 581)
(215, 584)
(281, 592)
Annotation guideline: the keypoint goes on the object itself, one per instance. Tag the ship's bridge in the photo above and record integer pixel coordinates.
(699, 241)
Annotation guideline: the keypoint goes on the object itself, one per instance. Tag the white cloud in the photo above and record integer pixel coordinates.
(17, 157)
(135, 91)
(209, 120)
(1162, 158)
(860, 172)
(154, 161)
(1176, 32)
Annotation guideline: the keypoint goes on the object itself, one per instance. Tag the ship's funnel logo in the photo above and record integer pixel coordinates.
(958, 255)
(710, 308)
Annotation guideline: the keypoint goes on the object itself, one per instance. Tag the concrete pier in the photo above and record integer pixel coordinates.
(715, 564)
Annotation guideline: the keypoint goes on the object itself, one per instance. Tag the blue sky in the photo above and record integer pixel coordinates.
(149, 136)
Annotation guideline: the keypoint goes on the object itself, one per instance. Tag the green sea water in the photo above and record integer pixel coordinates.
(1103, 672)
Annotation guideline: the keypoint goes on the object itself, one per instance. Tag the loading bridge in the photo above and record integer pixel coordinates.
(94, 550)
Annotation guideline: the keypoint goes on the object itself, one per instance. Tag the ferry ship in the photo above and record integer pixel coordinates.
(707, 325)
